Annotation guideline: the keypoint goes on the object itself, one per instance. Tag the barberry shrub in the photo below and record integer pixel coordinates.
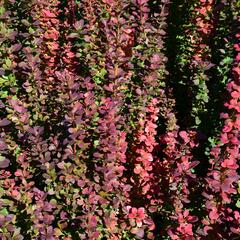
(119, 119)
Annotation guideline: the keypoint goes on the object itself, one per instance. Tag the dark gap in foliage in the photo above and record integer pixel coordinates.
(62, 16)
(161, 223)
(177, 17)
(154, 6)
(73, 229)
(56, 115)
(38, 174)
(210, 124)
(196, 199)
(23, 222)
(182, 93)
(90, 163)
(199, 153)
(161, 125)
(217, 91)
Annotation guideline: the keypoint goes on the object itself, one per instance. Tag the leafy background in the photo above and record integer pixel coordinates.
(119, 119)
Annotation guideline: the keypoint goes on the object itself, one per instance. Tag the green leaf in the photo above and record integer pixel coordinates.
(3, 79)
(96, 143)
(2, 10)
(227, 60)
(62, 191)
(238, 204)
(138, 47)
(4, 212)
(2, 189)
(102, 72)
(31, 30)
(197, 120)
(196, 81)
(205, 98)
(3, 94)
(8, 63)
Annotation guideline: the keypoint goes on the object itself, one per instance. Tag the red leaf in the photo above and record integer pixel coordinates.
(48, 14)
(184, 136)
(213, 215)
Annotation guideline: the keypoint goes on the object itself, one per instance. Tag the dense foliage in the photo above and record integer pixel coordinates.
(119, 119)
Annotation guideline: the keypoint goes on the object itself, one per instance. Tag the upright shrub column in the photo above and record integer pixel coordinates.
(223, 177)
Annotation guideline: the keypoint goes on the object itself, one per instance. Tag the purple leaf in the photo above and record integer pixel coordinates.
(4, 162)
(3, 145)
(16, 47)
(4, 122)
(16, 106)
(2, 71)
(138, 232)
(79, 24)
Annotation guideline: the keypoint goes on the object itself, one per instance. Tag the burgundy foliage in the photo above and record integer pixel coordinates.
(94, 141)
